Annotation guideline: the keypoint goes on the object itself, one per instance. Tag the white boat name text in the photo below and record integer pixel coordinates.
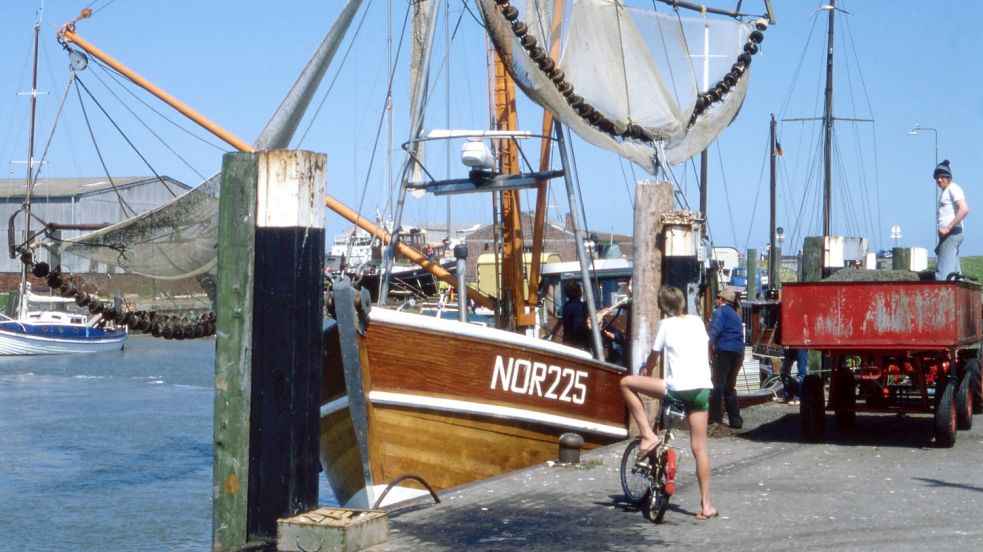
(526, 377)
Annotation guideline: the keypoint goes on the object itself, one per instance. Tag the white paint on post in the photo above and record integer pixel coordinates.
(290, 189)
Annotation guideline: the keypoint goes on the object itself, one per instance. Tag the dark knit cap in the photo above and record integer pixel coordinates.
(942, 170)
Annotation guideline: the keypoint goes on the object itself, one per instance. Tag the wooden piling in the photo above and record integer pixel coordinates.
(652, 199)
(751, 291)
(268, 350)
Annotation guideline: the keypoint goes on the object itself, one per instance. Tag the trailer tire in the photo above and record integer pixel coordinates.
(975, 384)
(812, 411)
(945, 415)
(843, 397)
(964, 403)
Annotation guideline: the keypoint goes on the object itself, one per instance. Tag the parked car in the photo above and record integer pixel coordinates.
(738, 278)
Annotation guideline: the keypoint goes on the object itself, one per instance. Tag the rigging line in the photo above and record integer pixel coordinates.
(443, 61)
(730, 212)
(471, 13)
(798, 71)
(849, 38)
(757, 195)
(624, 178)
(382, 119)
(95, 11)
(115, 75)
(685, 45)
(575, 178)
(102, 161)
(44, 153)
(624, 67)
(341, 64)
(154, 134)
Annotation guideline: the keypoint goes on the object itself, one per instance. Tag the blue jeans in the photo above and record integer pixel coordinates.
(790, 389)
(947, 253)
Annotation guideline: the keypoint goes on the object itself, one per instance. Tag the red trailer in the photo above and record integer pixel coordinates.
(892, 346)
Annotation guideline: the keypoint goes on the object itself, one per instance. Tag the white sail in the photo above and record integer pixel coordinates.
(640, 71)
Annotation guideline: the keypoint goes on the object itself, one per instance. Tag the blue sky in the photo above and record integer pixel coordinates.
(897, 63)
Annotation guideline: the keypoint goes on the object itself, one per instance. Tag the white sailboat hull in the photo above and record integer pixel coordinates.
(20, 338)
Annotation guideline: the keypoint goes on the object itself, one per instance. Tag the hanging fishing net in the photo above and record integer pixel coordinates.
(628, 80)
(178, 240)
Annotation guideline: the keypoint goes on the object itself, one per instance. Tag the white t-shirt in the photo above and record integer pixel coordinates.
(947, 204)
(684, 342)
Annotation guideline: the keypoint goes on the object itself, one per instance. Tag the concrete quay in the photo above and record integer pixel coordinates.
(878, 486)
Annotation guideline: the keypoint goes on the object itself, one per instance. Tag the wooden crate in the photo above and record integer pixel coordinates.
(336, 529)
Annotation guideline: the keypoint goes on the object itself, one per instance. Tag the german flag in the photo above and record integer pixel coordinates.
(778, 149)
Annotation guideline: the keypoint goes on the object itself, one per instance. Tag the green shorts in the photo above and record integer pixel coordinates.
(697, 400)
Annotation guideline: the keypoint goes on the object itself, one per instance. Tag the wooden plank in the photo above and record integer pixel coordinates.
(233, 351)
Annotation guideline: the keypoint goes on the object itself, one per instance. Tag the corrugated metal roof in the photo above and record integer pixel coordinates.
(16, 188)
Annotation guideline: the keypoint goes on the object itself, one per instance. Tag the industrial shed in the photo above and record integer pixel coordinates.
(81, 201)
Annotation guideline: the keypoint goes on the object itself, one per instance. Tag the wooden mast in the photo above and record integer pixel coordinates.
(513, 280)
(539, 220)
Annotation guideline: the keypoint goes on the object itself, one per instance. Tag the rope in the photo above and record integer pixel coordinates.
(102, 161)
(44, 153)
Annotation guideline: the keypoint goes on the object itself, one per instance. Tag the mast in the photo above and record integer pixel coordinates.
(828, 127)
(504, 118)
(30, 167)
(773, 253)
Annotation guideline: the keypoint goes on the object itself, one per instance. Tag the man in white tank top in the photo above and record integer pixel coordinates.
(952, 209)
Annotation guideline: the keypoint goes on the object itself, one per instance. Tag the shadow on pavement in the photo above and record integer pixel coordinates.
(870, 429)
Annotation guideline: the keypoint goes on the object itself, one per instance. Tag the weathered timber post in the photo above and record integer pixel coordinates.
(751, 291)
(652, 199)
(268, 348)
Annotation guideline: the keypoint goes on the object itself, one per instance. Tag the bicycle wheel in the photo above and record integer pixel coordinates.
(634, 478)
(659, 498)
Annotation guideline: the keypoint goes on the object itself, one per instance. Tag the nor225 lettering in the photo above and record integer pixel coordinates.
(526, 377)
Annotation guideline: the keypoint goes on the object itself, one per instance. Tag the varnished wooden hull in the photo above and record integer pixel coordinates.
(454, 403)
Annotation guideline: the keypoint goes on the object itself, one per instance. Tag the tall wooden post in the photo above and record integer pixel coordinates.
(268, 352)
(652, 199)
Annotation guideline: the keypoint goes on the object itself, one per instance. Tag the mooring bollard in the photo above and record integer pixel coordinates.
(570, 445)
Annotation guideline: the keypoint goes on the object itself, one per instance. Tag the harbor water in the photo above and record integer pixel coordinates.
(109, 451)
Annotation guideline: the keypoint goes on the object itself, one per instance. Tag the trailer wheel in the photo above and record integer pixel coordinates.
(975, 385)
(843, 397)
(964, 403)
(945, 415)
(812, 411)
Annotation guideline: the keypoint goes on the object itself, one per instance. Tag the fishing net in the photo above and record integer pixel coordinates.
(628, 80)
(175, 241)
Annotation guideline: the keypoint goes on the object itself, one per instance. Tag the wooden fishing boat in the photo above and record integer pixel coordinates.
(451, 403)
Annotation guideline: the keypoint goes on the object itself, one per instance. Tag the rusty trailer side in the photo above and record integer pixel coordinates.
(895, 346)
(881, 315)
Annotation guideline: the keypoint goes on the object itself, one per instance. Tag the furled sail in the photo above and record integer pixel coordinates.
(630, 80)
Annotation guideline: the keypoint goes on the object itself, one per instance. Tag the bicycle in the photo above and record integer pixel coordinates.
(654, 477)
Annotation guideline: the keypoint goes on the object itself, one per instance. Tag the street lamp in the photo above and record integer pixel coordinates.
(914, 132)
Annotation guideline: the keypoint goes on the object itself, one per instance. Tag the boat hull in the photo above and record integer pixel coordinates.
(20, 338)
(454, 403)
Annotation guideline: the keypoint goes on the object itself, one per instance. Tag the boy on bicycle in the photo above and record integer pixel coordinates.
(683, 339)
